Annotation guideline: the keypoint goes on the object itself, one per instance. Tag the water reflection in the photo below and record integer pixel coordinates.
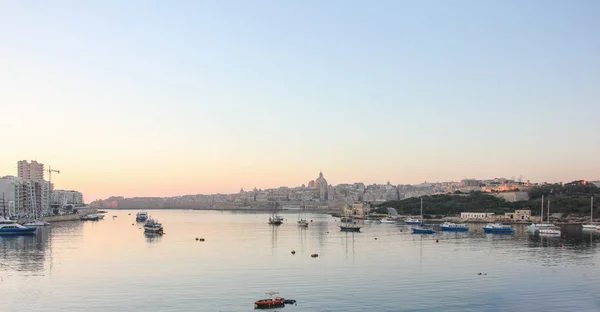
(349, 242)
(25, 253)
(152, 237)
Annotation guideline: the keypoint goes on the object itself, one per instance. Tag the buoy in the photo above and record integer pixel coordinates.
(560, 245)
(375, 238)
(197, 238)
(479, 273)
(310, 220)
(437, 241)
(293, 252)
(202, 239)
(314, 255)
(132, 224)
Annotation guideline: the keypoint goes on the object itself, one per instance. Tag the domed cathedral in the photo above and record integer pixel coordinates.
(321, 184)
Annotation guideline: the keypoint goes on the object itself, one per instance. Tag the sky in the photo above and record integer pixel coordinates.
(165, 98)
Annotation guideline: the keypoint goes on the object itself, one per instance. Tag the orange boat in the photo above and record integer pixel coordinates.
(269, 303)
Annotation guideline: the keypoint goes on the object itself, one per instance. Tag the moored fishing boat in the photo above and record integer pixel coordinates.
(453, 227)
(498, 228)
(141, 216)
(153, 226)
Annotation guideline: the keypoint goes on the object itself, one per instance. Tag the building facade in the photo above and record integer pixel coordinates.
(476, 215)
(522, 214)
(30, 171)
(67, 197)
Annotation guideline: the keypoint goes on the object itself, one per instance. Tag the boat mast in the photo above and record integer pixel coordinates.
(3, 206)
(421, 209)
(591, 209)
(542, 213)
(548, 211)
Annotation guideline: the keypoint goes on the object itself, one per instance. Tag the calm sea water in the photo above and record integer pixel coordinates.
(110, 265)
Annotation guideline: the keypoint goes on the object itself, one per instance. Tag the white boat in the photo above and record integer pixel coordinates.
(592, 226)
(302, 222)
(533, 228)
(549, 232)
(11, 227)
(412, 221)
(36, 223)
(388, 220)
(153, 226)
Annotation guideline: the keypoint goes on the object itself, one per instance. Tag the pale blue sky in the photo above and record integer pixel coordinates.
(215, 95)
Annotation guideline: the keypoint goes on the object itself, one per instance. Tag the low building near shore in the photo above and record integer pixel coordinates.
(476, 215)
(519, 215)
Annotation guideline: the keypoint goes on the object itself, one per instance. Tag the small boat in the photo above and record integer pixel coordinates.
(302, 222)
(100, 216)
(413, 221)
(453, 227)
(549, 232)
(388, 220)
(270, 303)
(498, 228)
(349, 225)
(350, 228)
(422, 229)
(90, 217)
(141, 216)
(275, 219)
(153, 226)
(533, 228)
(11, 227)
(36, 223)
(592, 226)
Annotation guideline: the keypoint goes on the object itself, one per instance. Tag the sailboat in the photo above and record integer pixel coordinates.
(535, 227)
(301, 221)
(349, 224)
(592, 225)
(275, 219)
(422, 229)
(549, 230)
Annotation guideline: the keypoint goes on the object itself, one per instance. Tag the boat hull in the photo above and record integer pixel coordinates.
(454, 229)
(499, 231)
(591, 227)
(18, 231)
(349, 228)
(422, 231)
(413, 222)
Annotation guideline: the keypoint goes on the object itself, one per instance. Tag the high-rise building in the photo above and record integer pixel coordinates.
(30, 171)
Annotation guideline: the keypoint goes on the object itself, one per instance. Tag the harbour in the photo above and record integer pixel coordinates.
(112, 263)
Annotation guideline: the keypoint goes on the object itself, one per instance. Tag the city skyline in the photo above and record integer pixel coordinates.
(147, 99)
